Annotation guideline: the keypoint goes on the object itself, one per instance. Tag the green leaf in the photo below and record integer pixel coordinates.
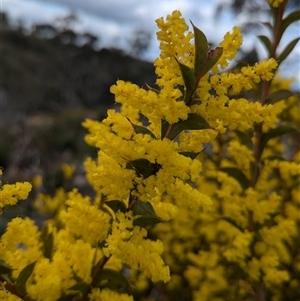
(266, 42)
(244, 139)
(191, 155)
(288, 49)
(68, 297)
(189, 81)
(193, 122)
(23, 278)
(164, 128)
(141, 130)
(48, 246)
(279, 95)
(238, 175)
(143, 208)
(48, 240)
(4, 269)
(81, 286)
(274, 157)
(146, 221)
(292, 17)
(111, 279)
(273, 133)
(212, 59)
(143, 167)
(116, 206)
(201, 49)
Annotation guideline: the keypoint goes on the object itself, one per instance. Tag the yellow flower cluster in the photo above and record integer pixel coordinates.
(58, 268)
(128, 243)
(68, 170)
(7, 296)
(231, 43)
(242, 156)
(47, 204)
(108, 295)
(10, 194)
(20, 245)
(243, 241)
(174, 40)
(80, 210)
(111, 178)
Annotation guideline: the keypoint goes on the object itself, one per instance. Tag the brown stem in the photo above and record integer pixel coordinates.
(259, 291)
(98, 268)
(169, 131)
(132, 203)
(277, 26)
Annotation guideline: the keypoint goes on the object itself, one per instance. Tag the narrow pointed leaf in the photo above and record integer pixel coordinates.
(23, 278)
(146, 221)
(191, 155)
(194, 122)
(201, 49)
(143, 208)
(238, 175)
(292, 17)
(266, 42)
(288, 49)
(116, 206)
(273, 133)
(141, 130)
(47, 239)
(279, 95)
(272, 158)
(212, 59)
(48, 246)
(189, 80)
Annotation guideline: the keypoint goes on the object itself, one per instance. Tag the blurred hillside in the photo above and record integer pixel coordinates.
(52, 78)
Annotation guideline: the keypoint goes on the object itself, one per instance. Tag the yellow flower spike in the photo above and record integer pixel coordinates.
(68, 170)
(231, 44)
(18, 247)
(37, 181)
(80, 211)
(265, 69)
(123, 242)
(47, 204)
(10, 194)
(45, 284)
(108, 295)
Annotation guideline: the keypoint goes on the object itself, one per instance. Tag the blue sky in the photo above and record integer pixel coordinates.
(114, 21)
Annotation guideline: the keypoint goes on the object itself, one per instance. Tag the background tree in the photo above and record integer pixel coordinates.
(139, 42)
